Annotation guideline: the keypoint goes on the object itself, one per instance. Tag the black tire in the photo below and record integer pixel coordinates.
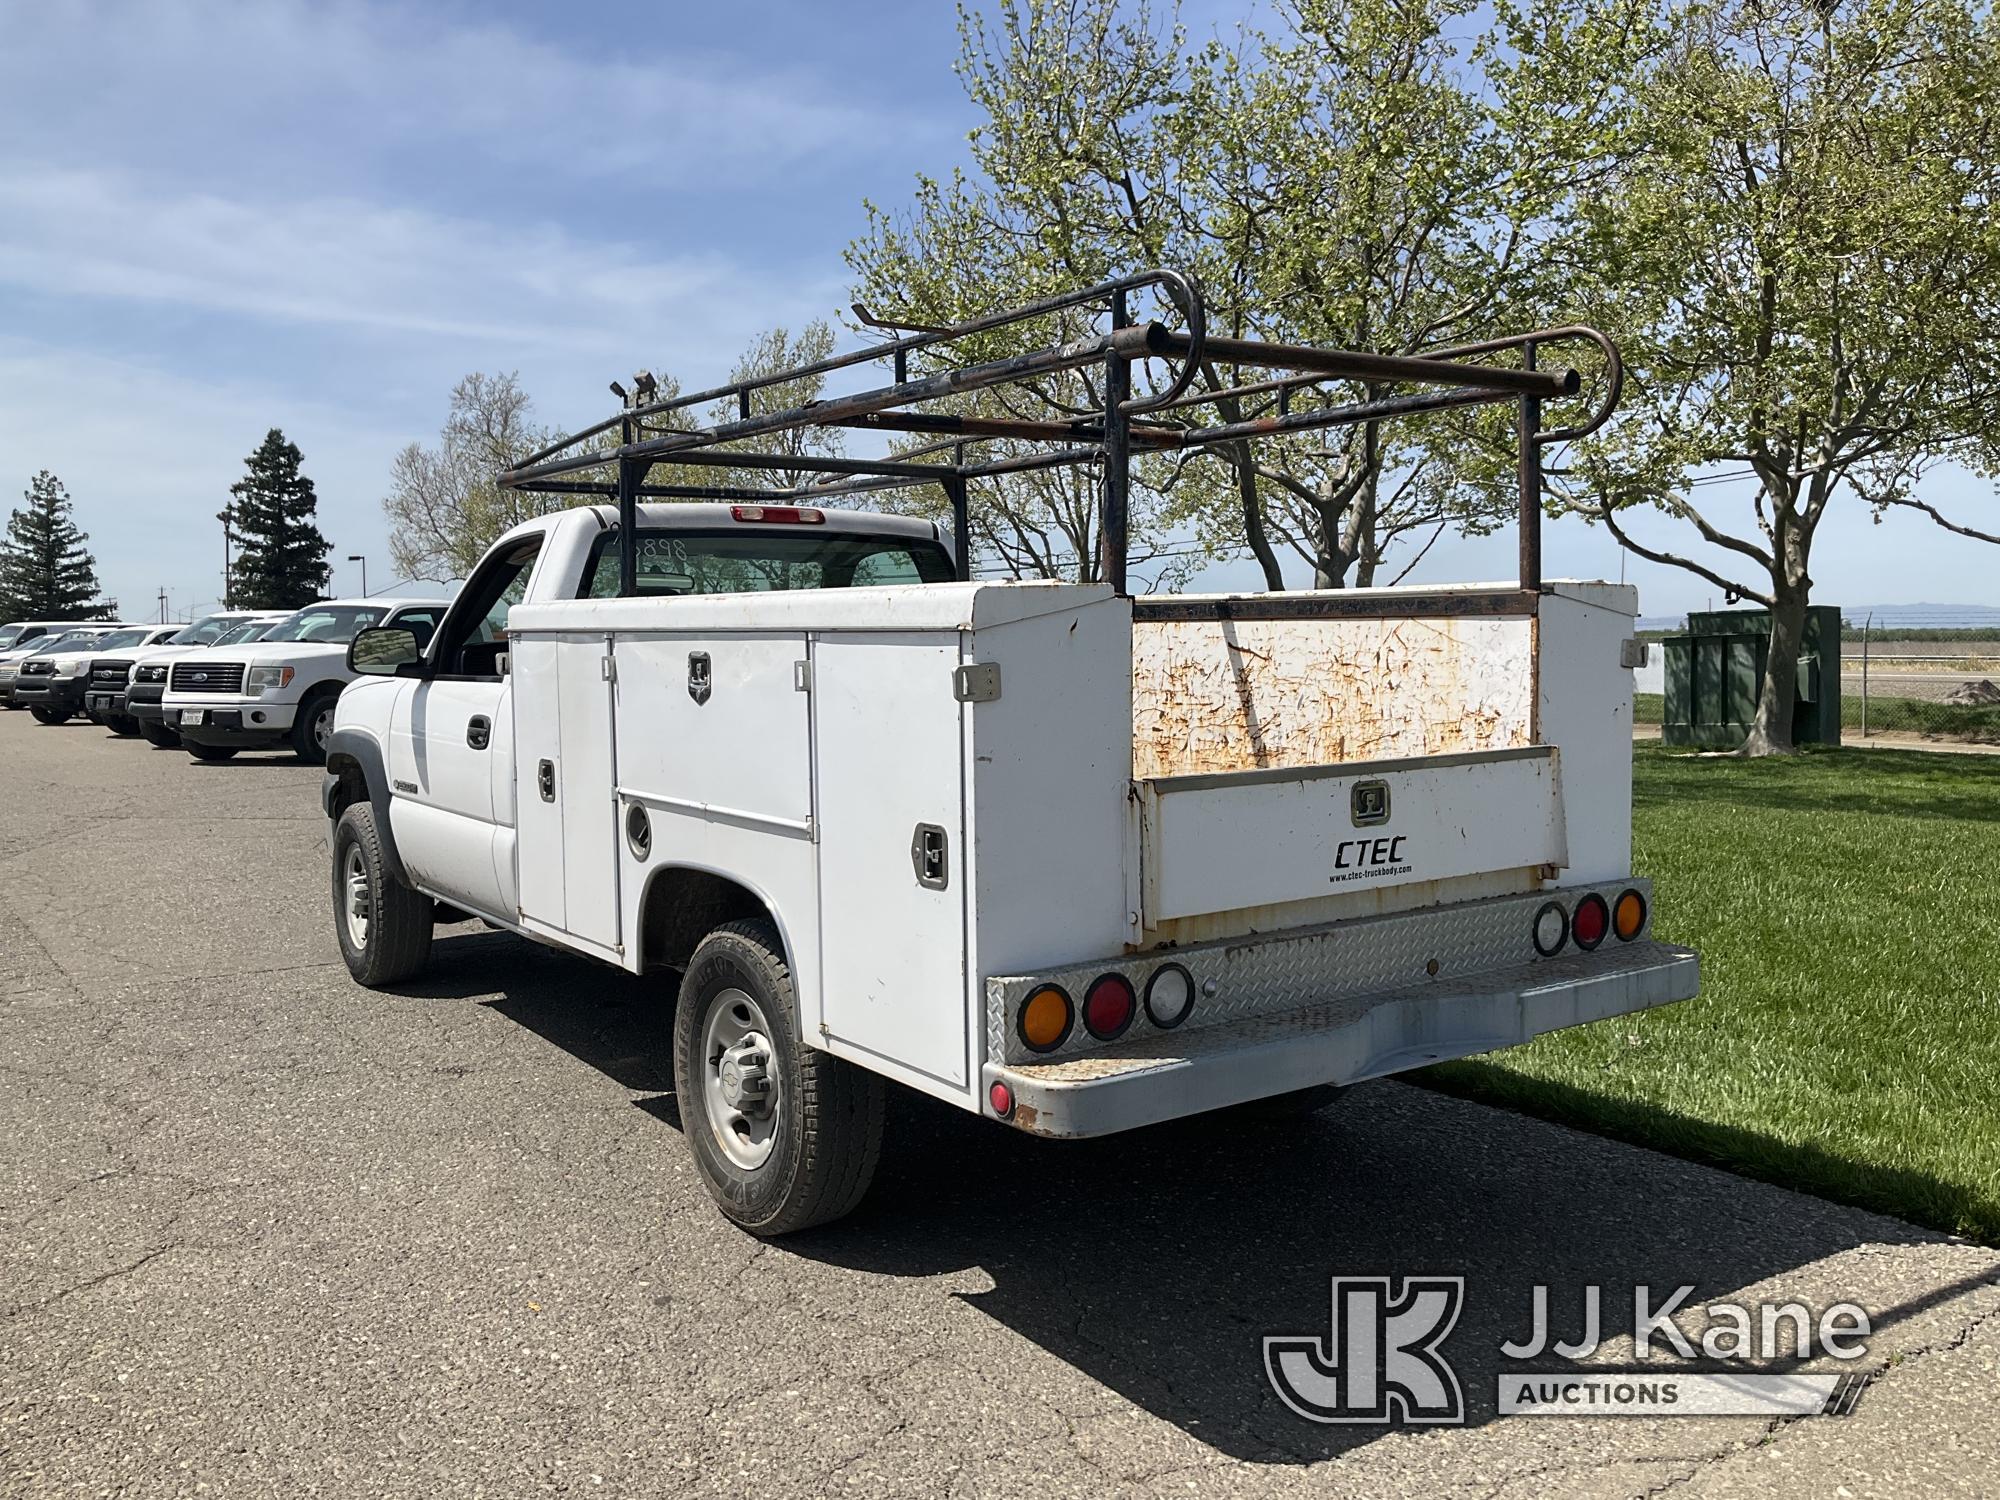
(392, 939)
(122, 726)
(208, 752)
(158, 735)
(308, 733)
(826, 1132)
(1286, 1109)
(49, 716)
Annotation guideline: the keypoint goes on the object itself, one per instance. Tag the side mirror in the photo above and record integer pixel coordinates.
(385, 651)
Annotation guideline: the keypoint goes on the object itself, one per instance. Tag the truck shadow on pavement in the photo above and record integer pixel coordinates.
(1156, 1262)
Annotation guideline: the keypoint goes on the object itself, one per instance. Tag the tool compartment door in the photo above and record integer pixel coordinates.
(887, 742)
(564, 776)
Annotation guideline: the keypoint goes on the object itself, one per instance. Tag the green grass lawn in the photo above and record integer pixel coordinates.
(1846, 1041)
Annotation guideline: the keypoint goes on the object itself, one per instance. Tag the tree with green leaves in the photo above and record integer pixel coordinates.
(1793, 239)
(46, 571)
(281, 555)
(1332, 178)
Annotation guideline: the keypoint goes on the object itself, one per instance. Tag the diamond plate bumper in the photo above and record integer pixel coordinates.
(1165, 1075)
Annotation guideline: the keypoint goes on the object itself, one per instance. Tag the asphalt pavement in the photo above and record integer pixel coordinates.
(265, 1233)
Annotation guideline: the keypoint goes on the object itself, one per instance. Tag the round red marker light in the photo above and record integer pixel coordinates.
(1108, 1007)
(1001, 1098)
(1590, 922)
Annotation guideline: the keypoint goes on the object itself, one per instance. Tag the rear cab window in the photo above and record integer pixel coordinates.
(743, 560)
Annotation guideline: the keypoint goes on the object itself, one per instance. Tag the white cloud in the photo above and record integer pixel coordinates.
(74, 232)
(215, 86)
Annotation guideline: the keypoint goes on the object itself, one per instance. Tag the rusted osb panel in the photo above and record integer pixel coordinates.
(1234, 695)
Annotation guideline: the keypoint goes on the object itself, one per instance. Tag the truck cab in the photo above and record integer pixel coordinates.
(279, 692)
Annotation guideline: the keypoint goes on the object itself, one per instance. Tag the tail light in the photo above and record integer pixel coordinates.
(1001, 1098)
(1046, 1018)
(1590, 922)
(1551, 929)
(783, 515)
(1628, 915)
(1169, 996)
(1108, 1007)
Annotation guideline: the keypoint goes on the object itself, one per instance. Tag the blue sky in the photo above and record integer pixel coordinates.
(217, 217)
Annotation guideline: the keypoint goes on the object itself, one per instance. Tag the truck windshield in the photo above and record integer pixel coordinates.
(10, 634)
(74, 640)
(207, 632)
(749, 560)
(330, 625)
(119, 638)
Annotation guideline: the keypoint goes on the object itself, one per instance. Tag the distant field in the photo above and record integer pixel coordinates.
(1847, 1038)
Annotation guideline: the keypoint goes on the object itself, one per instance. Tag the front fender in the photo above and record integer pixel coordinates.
(355, 752)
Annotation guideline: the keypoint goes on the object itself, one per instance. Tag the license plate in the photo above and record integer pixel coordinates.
(192, 715)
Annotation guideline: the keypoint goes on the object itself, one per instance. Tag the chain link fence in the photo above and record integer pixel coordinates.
(1893, 687)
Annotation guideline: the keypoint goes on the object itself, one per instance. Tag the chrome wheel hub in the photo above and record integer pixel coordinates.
(357, 901)
(739, 1082)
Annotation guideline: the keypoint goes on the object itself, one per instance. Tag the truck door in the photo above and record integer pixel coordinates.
(444, 738)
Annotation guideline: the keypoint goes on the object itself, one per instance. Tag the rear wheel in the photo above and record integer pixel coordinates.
(49, 715)
(785, 1136)
(384, 927)
(208, 752)
(159, 736)
(313, 727)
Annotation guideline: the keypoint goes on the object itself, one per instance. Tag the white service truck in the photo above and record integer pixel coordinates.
(1071, 859)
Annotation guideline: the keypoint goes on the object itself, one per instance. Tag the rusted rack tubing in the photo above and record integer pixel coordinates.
(1181, 289)
(1151, 339)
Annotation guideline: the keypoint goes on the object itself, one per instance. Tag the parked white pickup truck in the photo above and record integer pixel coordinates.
(279, 692)
(1071, 859)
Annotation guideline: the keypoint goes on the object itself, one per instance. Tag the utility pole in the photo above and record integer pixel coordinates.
(163, 606)
(224, 517)
(357, 557)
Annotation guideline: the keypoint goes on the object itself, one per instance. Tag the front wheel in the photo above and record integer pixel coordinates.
(384, 927)
(785, 1136)
(48, 715)
(209, 752)
(313, 727)
(159, 736)
(122, 726)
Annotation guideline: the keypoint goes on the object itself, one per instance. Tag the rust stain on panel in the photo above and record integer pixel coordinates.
(1234, 695)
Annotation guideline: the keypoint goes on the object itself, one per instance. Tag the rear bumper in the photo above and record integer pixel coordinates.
(1164, 1079)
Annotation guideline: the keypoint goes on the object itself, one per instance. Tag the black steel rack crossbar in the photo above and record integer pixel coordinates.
(1121, 424)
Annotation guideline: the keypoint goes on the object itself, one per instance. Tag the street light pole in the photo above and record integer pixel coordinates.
(357, 557)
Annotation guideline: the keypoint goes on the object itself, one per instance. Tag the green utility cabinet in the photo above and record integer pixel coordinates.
(1715, 671)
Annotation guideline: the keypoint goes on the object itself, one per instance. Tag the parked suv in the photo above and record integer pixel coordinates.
(53, 684)
(280, 692)
(146, 683)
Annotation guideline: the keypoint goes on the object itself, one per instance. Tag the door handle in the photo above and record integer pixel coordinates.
(479, 732)
(545, 780)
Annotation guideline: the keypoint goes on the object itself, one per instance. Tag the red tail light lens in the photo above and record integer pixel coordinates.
(1001, 1098)
(1108, 1007)
(1591, 921)
(781, 515)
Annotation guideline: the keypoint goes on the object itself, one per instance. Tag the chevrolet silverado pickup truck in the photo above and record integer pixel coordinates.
(1070, 859)
(279, 693)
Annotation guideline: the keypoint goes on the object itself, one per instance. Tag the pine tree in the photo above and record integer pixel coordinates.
(46, 572)
(282, 561)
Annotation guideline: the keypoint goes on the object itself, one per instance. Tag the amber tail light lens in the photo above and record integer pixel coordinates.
(1628, 916)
